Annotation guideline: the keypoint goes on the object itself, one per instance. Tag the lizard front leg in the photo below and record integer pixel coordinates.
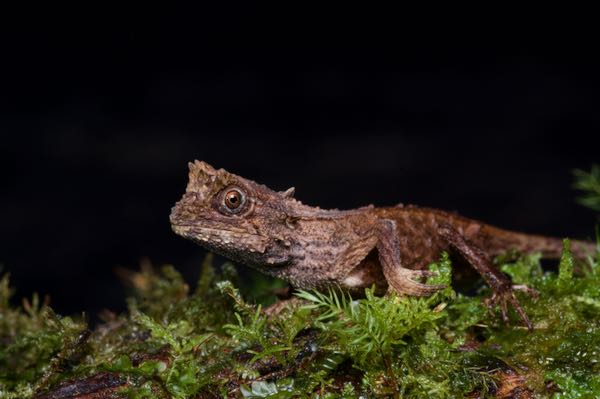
(504, 291)
(399, 279)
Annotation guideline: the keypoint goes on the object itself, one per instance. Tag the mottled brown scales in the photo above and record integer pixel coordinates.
(316, 248)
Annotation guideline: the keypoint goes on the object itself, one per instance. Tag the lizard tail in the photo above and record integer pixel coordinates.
(498, 241)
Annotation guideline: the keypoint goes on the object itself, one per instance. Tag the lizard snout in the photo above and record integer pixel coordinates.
(178, 212)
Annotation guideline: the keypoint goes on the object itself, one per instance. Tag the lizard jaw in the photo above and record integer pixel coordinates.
(222, 238)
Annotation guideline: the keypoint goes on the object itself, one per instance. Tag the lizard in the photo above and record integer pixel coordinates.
(313, 248)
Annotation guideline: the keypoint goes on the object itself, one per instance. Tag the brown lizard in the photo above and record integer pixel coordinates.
(387, 247)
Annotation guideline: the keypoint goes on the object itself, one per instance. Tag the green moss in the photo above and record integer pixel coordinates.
(177, 344)
(37, 344)
(589, 184)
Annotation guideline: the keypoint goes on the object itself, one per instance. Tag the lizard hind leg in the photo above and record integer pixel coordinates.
(400, 279)
(503, 290)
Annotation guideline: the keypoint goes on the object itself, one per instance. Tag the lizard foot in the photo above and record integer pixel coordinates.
(404, 281)
(505, 297)
(529, 291)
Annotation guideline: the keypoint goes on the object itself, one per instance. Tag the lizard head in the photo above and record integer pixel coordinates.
(234, 217)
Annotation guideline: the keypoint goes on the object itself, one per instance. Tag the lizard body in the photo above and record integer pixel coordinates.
(388, 247)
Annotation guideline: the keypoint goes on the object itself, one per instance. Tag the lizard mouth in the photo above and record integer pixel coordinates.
(181, 229)
(221, 237)
(195, 229)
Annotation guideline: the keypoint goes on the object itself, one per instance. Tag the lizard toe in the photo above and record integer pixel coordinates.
(407, 286)
(417, 274)
(503, 300)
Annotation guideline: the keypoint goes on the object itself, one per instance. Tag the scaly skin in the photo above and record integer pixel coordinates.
(315, 248)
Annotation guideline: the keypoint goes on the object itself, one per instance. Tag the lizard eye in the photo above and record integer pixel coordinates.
(234, 199)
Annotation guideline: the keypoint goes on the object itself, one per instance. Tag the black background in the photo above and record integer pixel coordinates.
(98, 125)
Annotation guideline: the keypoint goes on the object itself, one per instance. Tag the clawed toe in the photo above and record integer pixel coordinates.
(404, 282)
(528, 290)
(410, 287)
(422, 273)
(504, 298)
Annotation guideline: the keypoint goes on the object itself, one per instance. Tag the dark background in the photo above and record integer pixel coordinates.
(97, 128)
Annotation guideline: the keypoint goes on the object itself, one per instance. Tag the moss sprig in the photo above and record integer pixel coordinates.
(214, 342)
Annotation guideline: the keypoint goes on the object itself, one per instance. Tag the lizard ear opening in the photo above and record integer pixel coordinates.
(289, 193)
